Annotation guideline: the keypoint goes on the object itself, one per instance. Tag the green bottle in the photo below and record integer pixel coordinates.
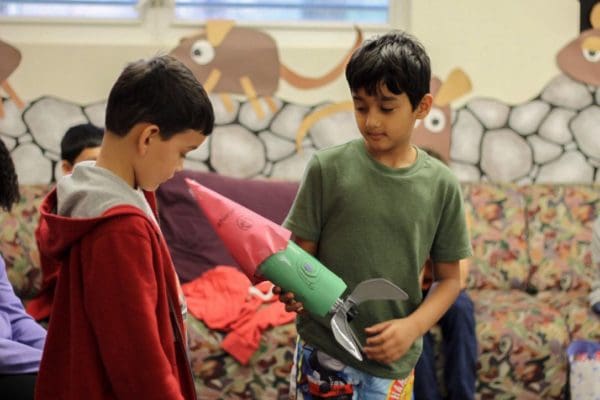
(296, 271)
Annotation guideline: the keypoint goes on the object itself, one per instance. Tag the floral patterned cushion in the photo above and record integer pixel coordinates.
(560, 231)
(582, 322)
(498, 227)
(217, 375)
(17, 241)
(522, 343)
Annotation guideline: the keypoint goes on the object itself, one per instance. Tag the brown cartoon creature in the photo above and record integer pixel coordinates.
(10, 58)
(237, 60)
(434, 131)
(580, 59)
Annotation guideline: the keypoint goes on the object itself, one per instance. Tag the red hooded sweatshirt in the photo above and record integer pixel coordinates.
(116, 329)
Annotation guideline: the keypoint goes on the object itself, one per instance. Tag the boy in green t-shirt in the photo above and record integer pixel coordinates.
(378, 207)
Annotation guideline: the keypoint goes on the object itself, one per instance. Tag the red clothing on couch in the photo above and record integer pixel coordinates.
(225, 300)
(111, 334)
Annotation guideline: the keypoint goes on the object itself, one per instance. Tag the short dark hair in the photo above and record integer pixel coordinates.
(161, 91)
(9, 185)
(78, 138)
(395, 59)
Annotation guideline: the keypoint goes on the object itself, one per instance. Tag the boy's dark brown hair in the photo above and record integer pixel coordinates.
(396, 59)
(160, 91)
(9, 185)
(78, 138)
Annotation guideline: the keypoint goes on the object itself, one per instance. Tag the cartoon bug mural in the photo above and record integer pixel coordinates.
(229, 59)
(435, 131)
(10, 58)
(580, 59)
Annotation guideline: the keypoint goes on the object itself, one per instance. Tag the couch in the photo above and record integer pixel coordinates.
(529, 278)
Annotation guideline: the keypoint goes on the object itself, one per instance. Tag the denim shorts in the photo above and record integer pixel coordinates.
(315, 375)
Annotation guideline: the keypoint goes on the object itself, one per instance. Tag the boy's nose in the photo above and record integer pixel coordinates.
(372, 122)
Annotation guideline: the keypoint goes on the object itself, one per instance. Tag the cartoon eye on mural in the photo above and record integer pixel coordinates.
(580, 59)
(434, 132)
(10, 59)
(235, 60)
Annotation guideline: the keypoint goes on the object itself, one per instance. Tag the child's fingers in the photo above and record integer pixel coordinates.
(291, 305)
(375, 329)
(294, 306)
(375, 341)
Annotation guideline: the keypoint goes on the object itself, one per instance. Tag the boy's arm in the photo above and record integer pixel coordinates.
(466, 262)
(307, 245)
(18, 358)
(121, 298)
(464, 272)
(20, 326)
(390, 340)
(443, 293)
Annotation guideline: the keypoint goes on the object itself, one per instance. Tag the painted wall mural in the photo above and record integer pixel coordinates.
(10, 58)
(554, 137)
(231, 60)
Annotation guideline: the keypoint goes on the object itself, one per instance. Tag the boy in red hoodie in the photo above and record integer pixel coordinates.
(117, 329)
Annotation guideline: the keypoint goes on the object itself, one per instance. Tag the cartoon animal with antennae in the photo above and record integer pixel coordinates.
(434, 132)
(10, 58)
(580, 59)
(228, 59)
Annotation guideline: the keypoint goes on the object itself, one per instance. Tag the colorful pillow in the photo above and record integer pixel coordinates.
(498, 236)
(17, 241)
(560, 232)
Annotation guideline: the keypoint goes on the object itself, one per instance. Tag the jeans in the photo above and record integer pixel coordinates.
(317, 376)
(459, 347)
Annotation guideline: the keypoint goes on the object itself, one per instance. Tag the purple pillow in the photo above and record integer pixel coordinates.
(194, 245)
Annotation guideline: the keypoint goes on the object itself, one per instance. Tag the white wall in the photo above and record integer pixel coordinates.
(508, 48)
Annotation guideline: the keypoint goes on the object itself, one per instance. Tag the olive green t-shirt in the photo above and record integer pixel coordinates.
(372, 221)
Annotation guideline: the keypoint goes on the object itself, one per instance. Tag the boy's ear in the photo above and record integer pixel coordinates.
(424, 106)
(66, 167)
(147, 134)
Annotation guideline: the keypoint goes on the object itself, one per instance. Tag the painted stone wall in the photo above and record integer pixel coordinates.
(555, 137)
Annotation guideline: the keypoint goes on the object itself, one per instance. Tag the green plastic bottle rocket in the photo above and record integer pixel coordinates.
(264, 250)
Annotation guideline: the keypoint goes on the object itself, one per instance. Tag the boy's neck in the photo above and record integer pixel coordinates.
(115, 156)
(400, 157)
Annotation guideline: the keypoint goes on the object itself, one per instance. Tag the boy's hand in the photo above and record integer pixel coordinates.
(390, 340)
(291, 305)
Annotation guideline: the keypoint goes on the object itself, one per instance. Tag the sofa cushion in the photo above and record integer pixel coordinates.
(498, 236)
(522, 345)
(194, 245)
(17, 241)
(560, 232)
(582, 322)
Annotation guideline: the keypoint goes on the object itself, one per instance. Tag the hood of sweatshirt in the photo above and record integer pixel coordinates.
(84, 199)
